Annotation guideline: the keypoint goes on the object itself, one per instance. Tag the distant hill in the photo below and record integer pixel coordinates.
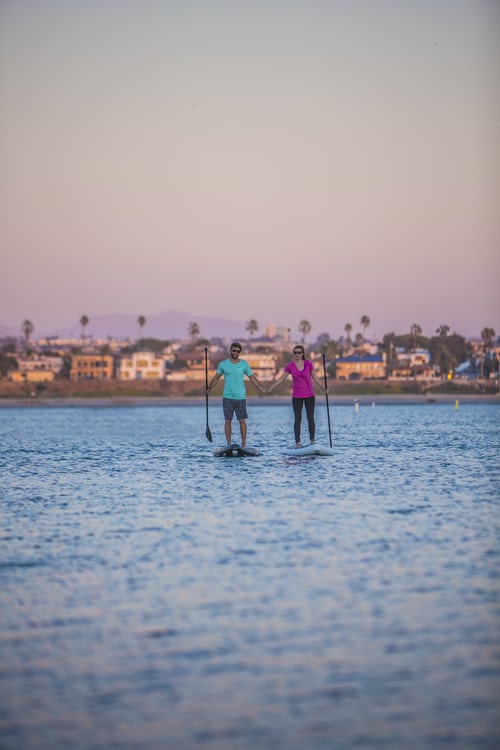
(171, 324)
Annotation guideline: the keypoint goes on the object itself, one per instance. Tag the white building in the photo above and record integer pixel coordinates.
(418, 357)
(141, 366)
(38, 368)
(263, 365)
(41, 362)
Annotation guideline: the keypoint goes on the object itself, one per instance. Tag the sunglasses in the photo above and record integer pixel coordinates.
(235, 349)
(298, 351)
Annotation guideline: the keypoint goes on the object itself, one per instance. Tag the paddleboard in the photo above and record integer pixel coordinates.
(310, 450)
(235, 451)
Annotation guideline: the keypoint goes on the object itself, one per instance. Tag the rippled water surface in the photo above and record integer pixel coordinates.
(153, 596)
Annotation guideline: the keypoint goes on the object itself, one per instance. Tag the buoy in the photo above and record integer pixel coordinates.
(356, 406)
(456, 404)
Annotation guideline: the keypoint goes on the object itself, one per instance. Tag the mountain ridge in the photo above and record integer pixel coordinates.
(169, 324)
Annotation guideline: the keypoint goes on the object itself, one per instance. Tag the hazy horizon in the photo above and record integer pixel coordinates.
(174, 324)
(277, 161)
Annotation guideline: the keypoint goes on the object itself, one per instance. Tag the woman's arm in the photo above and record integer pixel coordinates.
(278, 382)
(318, 382)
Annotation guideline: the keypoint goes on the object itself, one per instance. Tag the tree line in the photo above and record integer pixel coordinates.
(446, 349)
(304, 328)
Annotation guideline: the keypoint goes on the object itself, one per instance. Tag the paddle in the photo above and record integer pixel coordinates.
(207, 431)
(327, 406)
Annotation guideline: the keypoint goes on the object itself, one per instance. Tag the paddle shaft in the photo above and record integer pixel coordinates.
(208, 433)
(327, 405)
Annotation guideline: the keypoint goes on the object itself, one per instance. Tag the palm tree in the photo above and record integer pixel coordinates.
(415, 330)
(365, 322)
(304, 328)
(442, 331)
(194, 330)
(389, 346)
(488, 335)
(348, 329)
(252, 327)
(27, 328)
(84, 321)
(141, 322)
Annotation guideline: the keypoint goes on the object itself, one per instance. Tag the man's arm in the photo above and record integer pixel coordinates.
(213, 381)
(254, 380)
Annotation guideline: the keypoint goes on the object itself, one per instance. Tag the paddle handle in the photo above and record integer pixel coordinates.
(327, 404)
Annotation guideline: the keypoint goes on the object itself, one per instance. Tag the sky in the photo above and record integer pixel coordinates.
(271, 159)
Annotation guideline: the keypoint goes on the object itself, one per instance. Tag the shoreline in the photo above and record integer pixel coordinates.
(165, 401)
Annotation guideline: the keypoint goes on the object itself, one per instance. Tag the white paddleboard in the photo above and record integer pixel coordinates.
(310, 450)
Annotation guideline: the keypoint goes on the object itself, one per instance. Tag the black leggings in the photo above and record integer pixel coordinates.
(297, 404)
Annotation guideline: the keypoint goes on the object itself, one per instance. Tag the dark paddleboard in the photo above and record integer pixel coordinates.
(310, 450)
(235, 451)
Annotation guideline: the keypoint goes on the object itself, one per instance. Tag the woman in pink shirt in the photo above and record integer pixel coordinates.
(302, 372)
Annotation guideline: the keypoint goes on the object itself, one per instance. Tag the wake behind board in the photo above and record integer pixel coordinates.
(310, 450)
(235, 451)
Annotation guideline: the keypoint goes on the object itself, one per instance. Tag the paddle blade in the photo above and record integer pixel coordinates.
(209, 434)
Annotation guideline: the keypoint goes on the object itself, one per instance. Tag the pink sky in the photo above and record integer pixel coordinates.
(279, 160)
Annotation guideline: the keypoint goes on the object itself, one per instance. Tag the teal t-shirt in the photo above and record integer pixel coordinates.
(234, 378)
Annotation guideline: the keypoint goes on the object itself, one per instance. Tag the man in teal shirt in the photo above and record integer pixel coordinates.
(234, 402)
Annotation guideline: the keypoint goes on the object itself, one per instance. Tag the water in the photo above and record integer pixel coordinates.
(155, 597)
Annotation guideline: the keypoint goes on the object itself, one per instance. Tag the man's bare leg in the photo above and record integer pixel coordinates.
(227, 431)
(243, 430)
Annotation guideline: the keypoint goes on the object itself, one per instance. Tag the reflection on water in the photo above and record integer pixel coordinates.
(153, 596)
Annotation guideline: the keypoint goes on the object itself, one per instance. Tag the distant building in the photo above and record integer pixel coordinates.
(418, 357)
(32, 376)
(58, 343)
(40, 369)
(187, 365)
(263, 365)
(141, 366)
(282, 333)
(91, 367)
(412, 364)
(361, 366)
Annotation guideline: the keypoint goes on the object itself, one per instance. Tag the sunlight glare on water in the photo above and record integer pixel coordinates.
(153, 596)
